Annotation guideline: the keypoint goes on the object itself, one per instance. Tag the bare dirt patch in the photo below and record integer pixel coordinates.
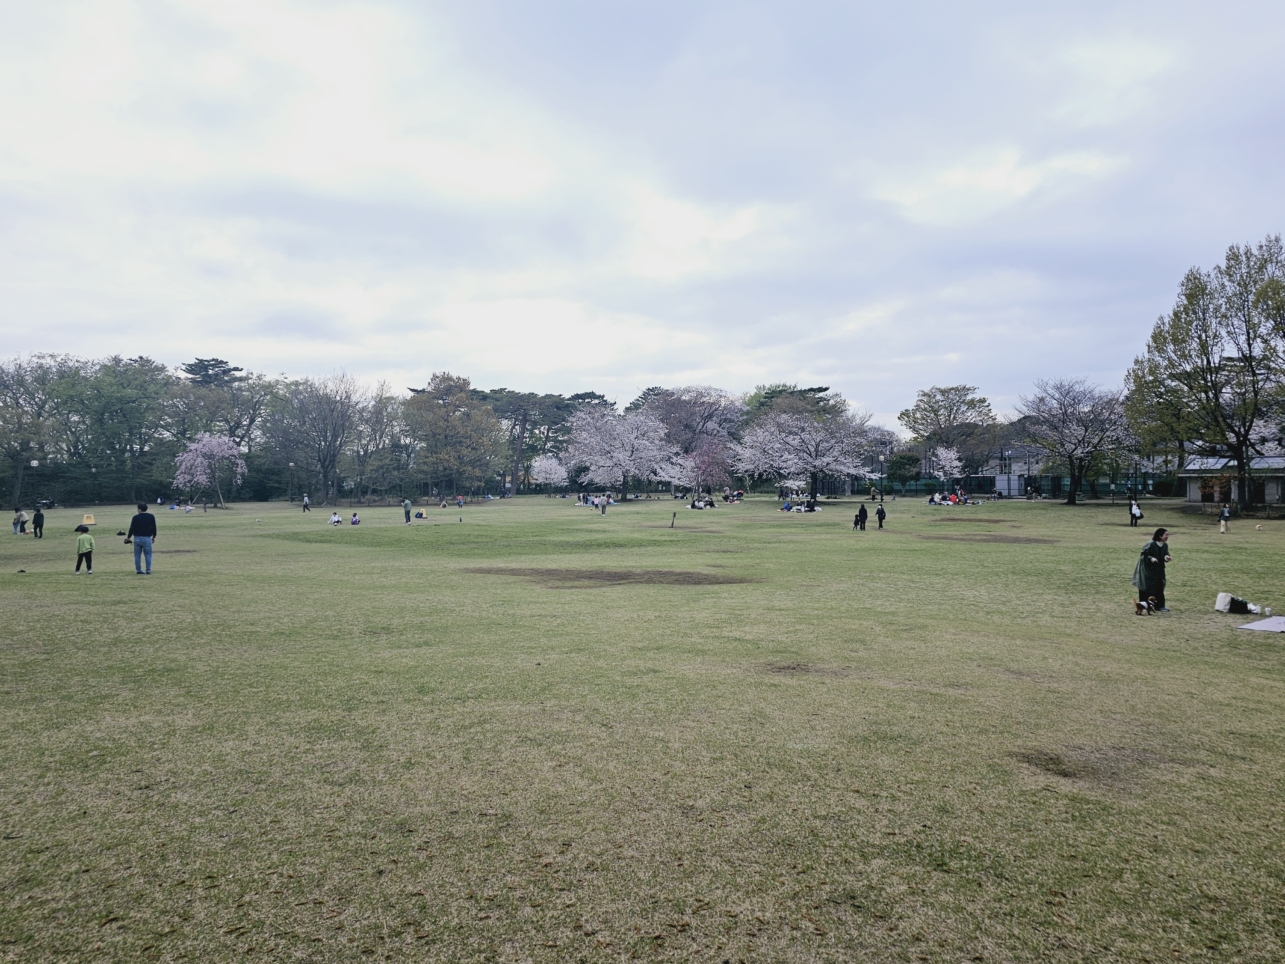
(558, 578)
(803, 669)
(990, 537)
(1111, 765)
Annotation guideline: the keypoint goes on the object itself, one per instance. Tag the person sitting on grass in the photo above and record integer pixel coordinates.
(335, 520)
(355, 521)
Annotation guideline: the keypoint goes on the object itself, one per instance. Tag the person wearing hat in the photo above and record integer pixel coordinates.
(84, 550)
(142, 533)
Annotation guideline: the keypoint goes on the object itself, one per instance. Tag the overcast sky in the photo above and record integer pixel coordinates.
(609, 195)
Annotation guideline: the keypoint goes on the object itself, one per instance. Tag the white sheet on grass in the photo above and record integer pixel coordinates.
(1275, 624)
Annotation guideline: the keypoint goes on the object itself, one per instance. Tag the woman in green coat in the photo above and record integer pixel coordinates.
(1149, 573)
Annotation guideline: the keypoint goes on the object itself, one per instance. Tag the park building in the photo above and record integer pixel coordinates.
(1214, 480)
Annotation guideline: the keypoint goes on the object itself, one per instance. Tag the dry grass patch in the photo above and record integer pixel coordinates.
(990, 537)
(556, 578)
(1108, 765)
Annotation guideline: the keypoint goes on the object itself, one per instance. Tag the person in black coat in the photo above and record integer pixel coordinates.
(880, 515)
(862, 516)
(38, 524)
(1149, 574)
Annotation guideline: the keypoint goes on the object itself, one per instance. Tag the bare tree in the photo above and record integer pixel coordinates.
(376, 432)
(316, 419)
(1075, 422)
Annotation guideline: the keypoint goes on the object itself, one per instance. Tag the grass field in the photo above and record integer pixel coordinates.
(541, 734)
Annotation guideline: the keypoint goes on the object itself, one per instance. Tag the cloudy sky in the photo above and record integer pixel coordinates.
(609, 195)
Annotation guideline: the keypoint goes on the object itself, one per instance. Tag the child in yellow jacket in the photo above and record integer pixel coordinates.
(84, 550)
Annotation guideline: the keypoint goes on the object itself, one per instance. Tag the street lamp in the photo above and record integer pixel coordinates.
(291, 490)
(882, 459)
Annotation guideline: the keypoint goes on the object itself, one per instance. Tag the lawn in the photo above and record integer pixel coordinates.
(541, 734)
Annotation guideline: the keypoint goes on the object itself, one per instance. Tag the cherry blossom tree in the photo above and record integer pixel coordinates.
(948, 464)
(708, 465)
(784, 444)
(206, 462)
(611, 448)
(547, 470)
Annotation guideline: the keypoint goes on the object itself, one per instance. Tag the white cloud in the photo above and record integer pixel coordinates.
(988, 182)
(380, 187)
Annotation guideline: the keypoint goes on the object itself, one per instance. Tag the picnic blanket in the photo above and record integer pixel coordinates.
(1275, 624)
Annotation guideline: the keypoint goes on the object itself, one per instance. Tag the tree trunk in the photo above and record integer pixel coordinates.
(1075, 483)
(517, 453)
(816, 483)
(17, 482)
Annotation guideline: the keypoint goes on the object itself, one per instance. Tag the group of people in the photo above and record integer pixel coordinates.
(955, 498)
(20, 520)
(859, 521)
(807, 505)
(599, 502)
(337, 520)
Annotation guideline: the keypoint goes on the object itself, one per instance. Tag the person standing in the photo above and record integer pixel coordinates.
(142, 533)
(84, 550)
(38, 524)
(306, 503)
(205, 504)
(1149, 573)
(862, 516)
(1224, 517)
(880, 515)
(1135, 512)
(406, 507)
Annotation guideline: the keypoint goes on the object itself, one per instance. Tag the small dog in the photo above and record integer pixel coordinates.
(1145, 608)
(1258, 528)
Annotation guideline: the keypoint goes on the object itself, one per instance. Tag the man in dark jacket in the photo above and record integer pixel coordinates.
(862, 516)
(142, 532)
(38, 524)
(880, 515)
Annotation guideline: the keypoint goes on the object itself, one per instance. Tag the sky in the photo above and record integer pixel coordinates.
(590, 196)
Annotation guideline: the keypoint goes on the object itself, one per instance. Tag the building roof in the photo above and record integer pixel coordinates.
(1260, 463)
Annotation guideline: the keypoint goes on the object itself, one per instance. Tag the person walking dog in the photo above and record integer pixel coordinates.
(142, 533)
(1149, 573)
(84, 550)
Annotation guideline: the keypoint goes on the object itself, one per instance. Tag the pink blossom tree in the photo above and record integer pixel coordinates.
(206, 462)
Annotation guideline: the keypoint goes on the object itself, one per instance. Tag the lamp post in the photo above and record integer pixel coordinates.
(291, 489)
(882, 460)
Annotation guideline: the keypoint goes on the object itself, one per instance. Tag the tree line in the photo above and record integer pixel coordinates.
(1210, 381)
